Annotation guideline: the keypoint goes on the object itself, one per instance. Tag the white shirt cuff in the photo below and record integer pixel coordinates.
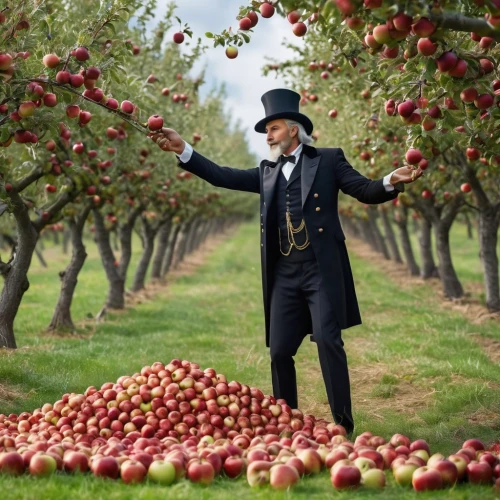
(185, 156)
(387, 182)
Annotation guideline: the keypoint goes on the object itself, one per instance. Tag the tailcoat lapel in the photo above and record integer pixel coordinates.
(269, 181)
(310, 163)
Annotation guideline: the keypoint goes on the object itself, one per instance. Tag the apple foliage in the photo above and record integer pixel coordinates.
(67, 142)
(427, 73)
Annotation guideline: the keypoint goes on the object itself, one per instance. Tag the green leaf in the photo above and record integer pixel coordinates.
(245, 37)
(209, 35)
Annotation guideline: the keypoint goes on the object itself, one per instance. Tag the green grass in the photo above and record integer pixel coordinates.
(414, 367)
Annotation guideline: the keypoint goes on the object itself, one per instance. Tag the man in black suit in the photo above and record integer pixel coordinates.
(306, 275)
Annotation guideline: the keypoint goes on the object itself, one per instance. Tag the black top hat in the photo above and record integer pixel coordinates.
(282, 103)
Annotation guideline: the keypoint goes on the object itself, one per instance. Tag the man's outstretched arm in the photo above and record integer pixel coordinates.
(369, 191)
(192, 161)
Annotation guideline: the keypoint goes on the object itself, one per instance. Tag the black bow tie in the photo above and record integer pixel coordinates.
(284, 159)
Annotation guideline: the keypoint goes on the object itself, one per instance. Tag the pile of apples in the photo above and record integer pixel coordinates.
(178, 421)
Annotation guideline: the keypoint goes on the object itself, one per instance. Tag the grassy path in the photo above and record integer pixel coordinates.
(415, 367)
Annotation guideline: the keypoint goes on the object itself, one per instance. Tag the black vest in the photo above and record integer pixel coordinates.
(289, 197)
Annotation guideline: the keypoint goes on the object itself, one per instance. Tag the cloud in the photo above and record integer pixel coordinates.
(243, 77)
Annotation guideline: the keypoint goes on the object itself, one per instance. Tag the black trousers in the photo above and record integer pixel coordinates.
(299, 300)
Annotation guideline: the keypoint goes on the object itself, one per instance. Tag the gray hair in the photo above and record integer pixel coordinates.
(302, 135)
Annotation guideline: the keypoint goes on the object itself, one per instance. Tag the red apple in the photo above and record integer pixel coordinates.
(106, 467)
(127, 107)
(266, 10)
(11, 463)
(132, 471)
(479, 473)
(345, 476)
(448, 470)
(299, 29)
(283, 477)
(427, 479)
(258, 473)
(178, 37)
(75, 461)
(42, 464)
(200, 471)
(155, 122)
(245, 24)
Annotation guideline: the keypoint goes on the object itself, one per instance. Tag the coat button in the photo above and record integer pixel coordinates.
(320, 230)
(316, 195)
(318, 209)
(262, 230)
(262, 244)
(264, 203)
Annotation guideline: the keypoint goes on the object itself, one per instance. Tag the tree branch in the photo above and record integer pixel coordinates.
(458, 22)
(58, 204)
(28, 179)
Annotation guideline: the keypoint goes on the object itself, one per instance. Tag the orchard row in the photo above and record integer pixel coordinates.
(75, 111)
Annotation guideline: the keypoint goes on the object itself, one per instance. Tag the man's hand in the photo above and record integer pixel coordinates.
(168, 140)
(406, 175)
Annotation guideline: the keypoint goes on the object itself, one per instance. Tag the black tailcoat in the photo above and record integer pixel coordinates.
(325, 171)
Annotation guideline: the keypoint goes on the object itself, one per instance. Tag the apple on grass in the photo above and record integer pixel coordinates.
(11, 463)
(283, 476)
(42, 464)
(259, 473)
(234, 466)
(448, 470)
(162, 472)
(373, 478)
(427, 479)
(364, 464)
(75, 461)
(403, 474)
(106, 467)
(479, 473)
(200, 471)
(132, 471)
(345, 476)
(311, 459)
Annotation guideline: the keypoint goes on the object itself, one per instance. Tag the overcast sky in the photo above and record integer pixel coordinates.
(243, 76)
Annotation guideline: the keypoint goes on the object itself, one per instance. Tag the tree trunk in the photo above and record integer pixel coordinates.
(65, 240)
(15, 272)
(402, 223)
(451, 284)
(148, 238)
(181, 246)
(192, 235)
(116, 292)
(389, 235)
(468, 223)
(39, 254)
(169, 254)
(489, 222)
(373, 215)
(61, 319)
(125, 234)
(429, 269)
(163, 235)
(367, 234)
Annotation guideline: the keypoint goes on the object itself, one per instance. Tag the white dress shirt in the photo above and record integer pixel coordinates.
(287, 168)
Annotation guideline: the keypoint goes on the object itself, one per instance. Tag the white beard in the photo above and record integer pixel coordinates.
(276, 150)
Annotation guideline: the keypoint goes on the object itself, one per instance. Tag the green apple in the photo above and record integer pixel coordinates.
(162, 472)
